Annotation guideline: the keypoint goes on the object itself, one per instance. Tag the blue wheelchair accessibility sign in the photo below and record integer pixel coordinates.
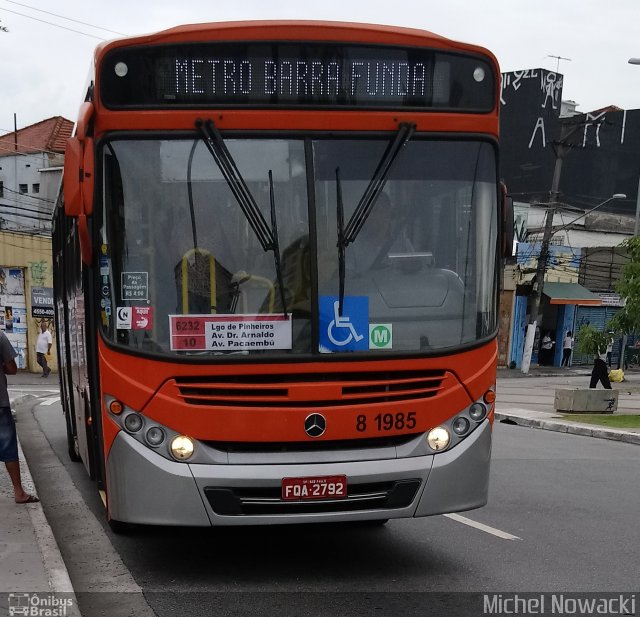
(346, 332)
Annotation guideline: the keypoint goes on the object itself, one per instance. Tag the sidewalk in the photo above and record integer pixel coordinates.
(32, 570)
(542, 415)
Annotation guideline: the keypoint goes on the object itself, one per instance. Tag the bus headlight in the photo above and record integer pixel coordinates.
(182, 447)
(460, 425)
(154, 436)
(478, 412)
(133, 422)
(438, 438)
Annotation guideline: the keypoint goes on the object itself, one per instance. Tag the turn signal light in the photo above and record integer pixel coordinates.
(490, 396)
(116, 407)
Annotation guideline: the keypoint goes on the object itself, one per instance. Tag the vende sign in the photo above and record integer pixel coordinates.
(42, 301)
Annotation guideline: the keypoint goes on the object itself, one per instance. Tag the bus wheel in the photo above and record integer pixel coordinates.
(72, 443)
(380, 522)
(119, 528)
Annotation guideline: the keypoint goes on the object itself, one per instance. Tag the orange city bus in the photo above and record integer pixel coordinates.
(277, 258)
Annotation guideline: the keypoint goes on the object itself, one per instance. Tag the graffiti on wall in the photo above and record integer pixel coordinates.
(38, 271)
(546, 87)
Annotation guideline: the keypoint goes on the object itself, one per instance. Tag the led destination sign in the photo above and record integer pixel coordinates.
(291, 75)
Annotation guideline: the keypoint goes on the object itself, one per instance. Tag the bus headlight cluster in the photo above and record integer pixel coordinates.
(461, 426)
(478, 412)
(133, 422)
(165, 441)
(154, 436)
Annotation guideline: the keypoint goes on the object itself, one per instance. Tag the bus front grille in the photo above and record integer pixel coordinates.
(296, 447)
(309, 389)
(246, 501)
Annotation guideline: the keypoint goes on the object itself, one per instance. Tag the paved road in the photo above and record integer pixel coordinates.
(562, 517)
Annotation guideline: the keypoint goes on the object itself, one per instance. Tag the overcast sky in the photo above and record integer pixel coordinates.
(43, 68)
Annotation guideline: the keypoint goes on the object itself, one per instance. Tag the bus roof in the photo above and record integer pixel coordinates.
(283, 30)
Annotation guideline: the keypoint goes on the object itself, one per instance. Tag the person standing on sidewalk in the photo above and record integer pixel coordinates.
(8, 436)
(546, 350)
(600, 372)
(567, 348)
(43, 348)
(609, 349)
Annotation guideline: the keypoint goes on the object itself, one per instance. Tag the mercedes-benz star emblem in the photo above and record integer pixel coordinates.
(315, 425)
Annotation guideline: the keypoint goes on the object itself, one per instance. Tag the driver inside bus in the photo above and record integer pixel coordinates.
(383, 232)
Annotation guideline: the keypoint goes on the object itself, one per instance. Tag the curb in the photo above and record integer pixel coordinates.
(585, 430)
(57, 573)
(14, 402)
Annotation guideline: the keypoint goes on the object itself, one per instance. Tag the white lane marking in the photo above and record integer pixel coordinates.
(50, 401)
(482, 527)
(33, 389)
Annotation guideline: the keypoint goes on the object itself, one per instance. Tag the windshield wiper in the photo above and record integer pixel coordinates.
(377, 182)
(346, 235)
(268, 237)
(221, 155)
(276, 244)
(341, 240)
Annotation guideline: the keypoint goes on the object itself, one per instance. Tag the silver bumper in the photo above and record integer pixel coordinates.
(145, 488)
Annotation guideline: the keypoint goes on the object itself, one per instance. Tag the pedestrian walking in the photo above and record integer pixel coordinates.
(567, 348)
(600, 371)
(8, 436)
(547, 349)
(43, 348)
(609, 349)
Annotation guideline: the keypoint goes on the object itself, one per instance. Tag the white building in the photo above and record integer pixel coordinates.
(31, 162)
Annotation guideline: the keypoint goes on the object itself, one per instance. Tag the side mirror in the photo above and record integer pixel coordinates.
(73, 204)
(88, 175)
(84, 119)
(85, 239)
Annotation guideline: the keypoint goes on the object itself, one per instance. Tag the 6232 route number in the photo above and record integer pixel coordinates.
(386, 422)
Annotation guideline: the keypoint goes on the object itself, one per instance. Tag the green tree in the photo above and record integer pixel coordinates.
(591, 341)
(627, 319)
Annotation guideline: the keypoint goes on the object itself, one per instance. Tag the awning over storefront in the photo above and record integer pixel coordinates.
(570, 293)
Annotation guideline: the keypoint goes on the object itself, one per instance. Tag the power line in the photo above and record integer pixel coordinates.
(49, 23)
(26, 216)
(10, 147)
(82, 23)
(6, 210)
(12, 209)
(17, 205)
(48, 201)
(26, 206)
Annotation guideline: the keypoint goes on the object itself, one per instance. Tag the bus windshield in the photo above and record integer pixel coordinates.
(183, 273)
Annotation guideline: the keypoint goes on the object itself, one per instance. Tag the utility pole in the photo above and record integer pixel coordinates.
(538, 285)
(561, 151)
